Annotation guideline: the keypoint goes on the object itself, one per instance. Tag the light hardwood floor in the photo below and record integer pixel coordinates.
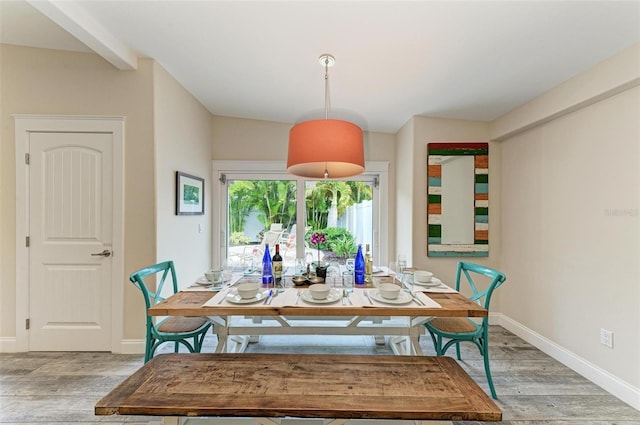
(533, 389)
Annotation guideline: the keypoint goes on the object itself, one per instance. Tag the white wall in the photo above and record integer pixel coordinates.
(570, 222)
(402, 196)
(52, 82)
(183, 142)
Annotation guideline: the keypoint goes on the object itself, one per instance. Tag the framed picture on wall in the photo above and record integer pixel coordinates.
(189, 194)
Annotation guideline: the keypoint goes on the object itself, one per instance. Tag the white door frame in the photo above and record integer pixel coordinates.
(259, 169)
(25, 124)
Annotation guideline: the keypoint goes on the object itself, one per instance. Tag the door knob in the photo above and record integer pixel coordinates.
(105, 253)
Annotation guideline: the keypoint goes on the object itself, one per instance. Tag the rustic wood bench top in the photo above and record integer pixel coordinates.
(301, 385)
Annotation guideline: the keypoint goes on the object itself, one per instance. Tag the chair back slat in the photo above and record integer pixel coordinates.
(483, 298)
(139, 277)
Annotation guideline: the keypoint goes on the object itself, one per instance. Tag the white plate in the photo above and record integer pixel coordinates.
(331, 298)
(234, 298)
(204, 282)
(434, 282)
(403, 297)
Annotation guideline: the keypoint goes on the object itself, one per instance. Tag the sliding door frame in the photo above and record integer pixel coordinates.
(275, 170)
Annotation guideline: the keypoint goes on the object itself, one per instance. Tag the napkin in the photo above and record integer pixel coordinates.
(217, 298)
(195, 287)
(381, 271)
(428, 302)
(286, 298)
(290, 295)
(443, 289)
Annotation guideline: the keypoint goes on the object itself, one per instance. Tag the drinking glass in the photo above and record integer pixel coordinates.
(347, 280)
(256, 265)
(228, 267)
(300, 267)
(406, 282)
(351, 264)
(402, 263)
(333, 273)
(393, 267)
(397, 272)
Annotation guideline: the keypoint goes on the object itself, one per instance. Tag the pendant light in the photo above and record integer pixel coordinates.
(330, 149)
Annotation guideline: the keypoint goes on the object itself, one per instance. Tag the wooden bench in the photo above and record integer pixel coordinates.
(301, 386)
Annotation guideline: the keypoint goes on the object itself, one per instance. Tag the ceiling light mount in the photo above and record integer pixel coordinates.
(328, 148)
(327, 60)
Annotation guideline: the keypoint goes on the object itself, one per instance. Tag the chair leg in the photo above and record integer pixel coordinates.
(435, 343)
(458, 351)
(148, 346)
(439, 346)
(488, 372)
(203, 336)
(485, 354)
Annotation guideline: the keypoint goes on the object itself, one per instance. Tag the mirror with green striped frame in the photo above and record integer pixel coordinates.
(458, 199)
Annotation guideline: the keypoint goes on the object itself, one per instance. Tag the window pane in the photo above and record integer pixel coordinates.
(343, 212)
(260, 212)
(253, 199)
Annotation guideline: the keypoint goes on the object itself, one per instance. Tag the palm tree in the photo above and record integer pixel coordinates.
(317, 206)
(240, 194)
(360, 191)
(273, 199)
(340, 196)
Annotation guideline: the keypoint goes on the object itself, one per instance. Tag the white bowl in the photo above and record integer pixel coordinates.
(422, 276)
(214, 276)
(319, 291)
(389, 291)
(248, 290)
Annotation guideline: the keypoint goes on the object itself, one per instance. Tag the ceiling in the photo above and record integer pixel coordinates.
(474, 60)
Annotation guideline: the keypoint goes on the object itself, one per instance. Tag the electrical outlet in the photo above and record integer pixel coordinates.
(606, 338)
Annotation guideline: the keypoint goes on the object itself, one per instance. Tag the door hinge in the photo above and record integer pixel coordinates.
(376, 182)
(27, 324)
(223, 178)
(27, 241)
(27, 157)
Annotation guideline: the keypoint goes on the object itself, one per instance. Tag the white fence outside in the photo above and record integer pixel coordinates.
(358, 219)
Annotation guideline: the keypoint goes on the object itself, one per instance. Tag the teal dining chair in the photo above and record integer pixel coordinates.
(460, 329)
(178, 330)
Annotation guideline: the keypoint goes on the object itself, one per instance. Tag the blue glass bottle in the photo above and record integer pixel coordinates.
(358, 271)
(267, 270)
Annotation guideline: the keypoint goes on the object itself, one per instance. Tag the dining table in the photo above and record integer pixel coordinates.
(285, 388)
(360, 311)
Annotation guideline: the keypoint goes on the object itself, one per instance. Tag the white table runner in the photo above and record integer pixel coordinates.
(289, 298)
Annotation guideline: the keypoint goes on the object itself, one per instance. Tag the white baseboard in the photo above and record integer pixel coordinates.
(8, 344)
(130, 346)
(605, 380)
(127, 346)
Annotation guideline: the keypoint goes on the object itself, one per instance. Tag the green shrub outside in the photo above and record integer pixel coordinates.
(239, 238)
(339, 240)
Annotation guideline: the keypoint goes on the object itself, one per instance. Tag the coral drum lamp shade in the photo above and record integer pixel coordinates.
(325, 148)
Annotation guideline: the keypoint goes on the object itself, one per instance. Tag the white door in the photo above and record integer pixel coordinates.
(71, 237)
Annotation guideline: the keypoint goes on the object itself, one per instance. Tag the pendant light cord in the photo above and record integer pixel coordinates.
(327, 99)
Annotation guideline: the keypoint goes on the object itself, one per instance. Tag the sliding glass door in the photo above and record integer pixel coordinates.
(260, 208)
